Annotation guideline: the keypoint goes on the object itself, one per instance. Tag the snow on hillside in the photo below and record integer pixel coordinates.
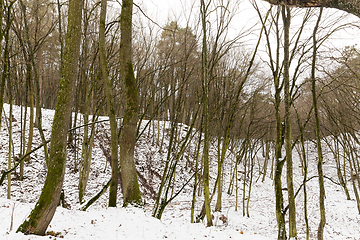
(100, 222)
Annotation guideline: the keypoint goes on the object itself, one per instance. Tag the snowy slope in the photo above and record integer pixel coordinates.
(100, 222)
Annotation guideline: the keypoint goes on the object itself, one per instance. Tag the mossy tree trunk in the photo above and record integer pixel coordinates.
(131, 190)
(110, 108)
(44, 210)
(2, 81)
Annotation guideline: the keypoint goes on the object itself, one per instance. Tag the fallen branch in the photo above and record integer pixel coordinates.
(19, 161)
(96, 197)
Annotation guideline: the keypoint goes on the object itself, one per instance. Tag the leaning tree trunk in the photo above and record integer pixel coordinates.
(44, 210)
(350, 6)
(131, 190)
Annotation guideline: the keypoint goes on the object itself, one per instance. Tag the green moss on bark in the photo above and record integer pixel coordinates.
(130, 183)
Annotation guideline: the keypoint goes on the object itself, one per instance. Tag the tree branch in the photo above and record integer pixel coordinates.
(350, 6)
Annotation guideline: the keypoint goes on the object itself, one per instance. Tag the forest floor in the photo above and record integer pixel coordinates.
(101, 222)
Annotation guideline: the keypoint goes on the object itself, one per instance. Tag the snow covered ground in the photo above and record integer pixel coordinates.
(100, 222)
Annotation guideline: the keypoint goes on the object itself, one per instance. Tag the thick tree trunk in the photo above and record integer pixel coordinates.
(44, 210)
(350, 6)
(131, 190)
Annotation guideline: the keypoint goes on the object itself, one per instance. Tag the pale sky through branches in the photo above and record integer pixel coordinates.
(162, 11)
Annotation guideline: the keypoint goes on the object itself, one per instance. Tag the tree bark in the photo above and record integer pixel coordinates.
(131, 190)
(44, 210)
(350, 6)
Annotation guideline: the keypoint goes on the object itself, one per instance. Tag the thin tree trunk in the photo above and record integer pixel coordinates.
(205, 115)
(2, 81)
(86, 154)
(31, 106)
(22, 136)
(5, 75)
(279, 162)
(267, 157)
(196, 175)
(219, 176)
(320, 233)
(303, 157)
(288, 144)
(110, 108)
(10, 134)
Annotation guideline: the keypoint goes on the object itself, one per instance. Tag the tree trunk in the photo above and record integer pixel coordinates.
(110, 108)
(131, 190)
(86, 154)
(31, 105)
(205, 116)
(318, 137)
(44, 210)
(2, 81)
(196, 175)
(289, 165)
(10, 132)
